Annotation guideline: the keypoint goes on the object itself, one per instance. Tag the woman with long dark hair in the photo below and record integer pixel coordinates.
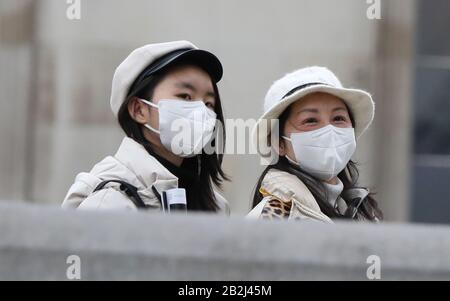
(166, 100)
(313, 176)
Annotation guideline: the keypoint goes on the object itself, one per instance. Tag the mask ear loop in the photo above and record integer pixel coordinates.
(148, 102)
(154, 106)
(287, 157)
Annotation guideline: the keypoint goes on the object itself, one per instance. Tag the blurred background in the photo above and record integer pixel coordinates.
(56, 72)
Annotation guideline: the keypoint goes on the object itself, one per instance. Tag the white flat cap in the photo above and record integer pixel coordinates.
(153, 57)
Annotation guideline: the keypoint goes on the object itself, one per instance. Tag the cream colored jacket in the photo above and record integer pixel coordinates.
(132, 164)
(286, 187)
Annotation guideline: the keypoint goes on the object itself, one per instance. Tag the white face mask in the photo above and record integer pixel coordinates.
(185, 127)
(324, 152)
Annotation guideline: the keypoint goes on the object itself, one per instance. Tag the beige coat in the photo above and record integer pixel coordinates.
(286, 187)
(132, 164)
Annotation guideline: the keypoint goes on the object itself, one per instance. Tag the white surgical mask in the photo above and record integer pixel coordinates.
(324, 152)
(185, 127)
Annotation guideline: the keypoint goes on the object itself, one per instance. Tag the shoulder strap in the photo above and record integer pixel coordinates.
(354, 197)
(129, 189)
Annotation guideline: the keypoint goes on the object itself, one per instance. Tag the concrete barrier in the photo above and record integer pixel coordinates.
(36, 242)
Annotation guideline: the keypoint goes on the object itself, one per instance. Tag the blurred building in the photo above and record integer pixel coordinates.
(55, 78)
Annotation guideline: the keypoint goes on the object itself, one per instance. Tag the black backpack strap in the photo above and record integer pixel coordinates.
(129, 189)
(355, 198)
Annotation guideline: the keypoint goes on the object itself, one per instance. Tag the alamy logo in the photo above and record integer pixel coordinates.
(374, 9)
(73, 271)
(73, 11)
(374, 269)
(206, 136)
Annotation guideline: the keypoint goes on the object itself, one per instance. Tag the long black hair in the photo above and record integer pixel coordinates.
(201, 191)
(349, 176)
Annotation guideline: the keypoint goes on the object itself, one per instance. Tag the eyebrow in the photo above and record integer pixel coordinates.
(211, 94)
(312, 110)
(186, 86)
(340, 109)
(193, 89)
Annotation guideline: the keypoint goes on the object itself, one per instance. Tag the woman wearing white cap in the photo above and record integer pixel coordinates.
(313, 176)
(166, 100)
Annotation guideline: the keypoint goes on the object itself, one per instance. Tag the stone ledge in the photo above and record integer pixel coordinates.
(35, 242)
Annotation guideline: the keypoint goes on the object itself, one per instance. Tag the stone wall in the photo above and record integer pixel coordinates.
(35, 242)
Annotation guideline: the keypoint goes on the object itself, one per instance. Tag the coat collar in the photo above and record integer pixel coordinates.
(148, 170)
(287, 187)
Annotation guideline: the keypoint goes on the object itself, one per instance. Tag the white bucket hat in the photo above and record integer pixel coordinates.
(153, 57)
(295, 85)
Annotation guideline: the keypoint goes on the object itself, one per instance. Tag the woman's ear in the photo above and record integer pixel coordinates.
(278, 145)
(138, 110)
(281, 147)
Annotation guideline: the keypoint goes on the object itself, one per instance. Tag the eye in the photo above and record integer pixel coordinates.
(184, 96)
(310, 120)
(340, 119)
(210, 105)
